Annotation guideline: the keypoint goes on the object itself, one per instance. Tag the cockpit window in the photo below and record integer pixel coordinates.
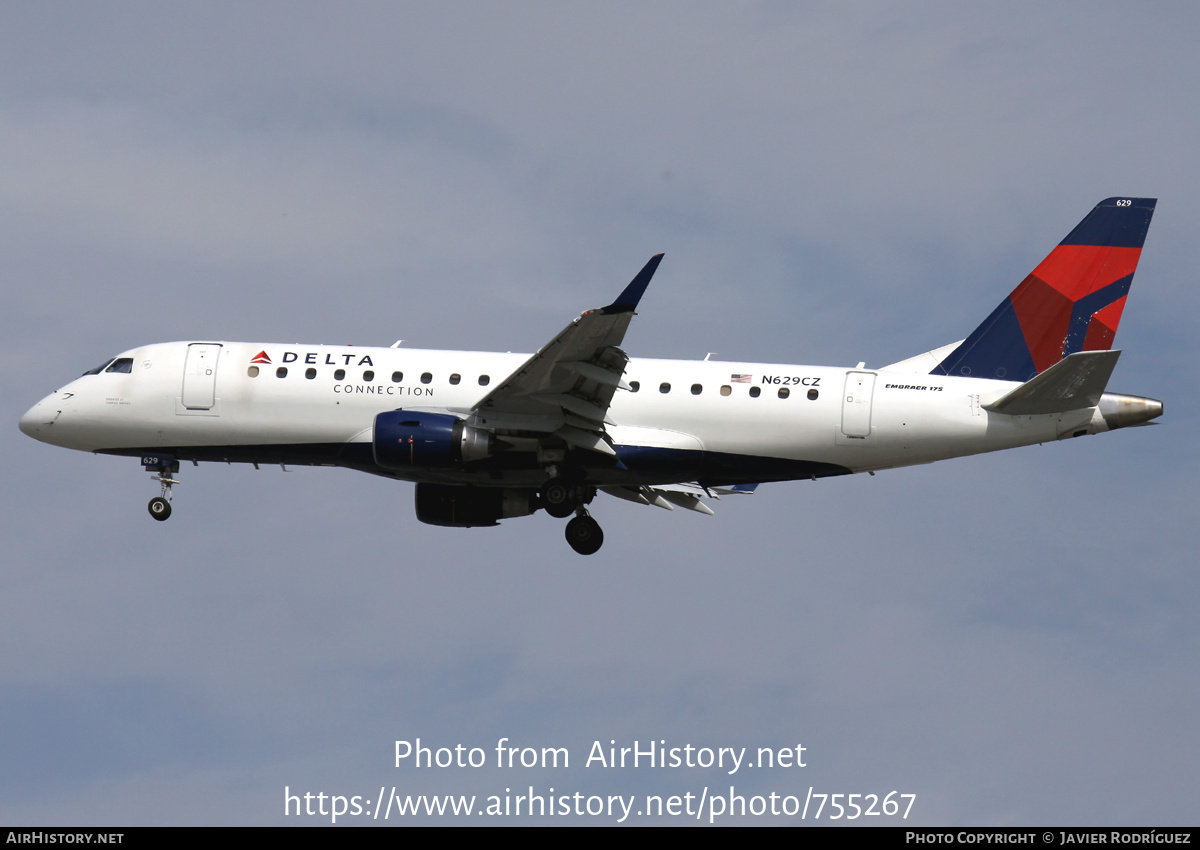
(121, 364)
(98, 369)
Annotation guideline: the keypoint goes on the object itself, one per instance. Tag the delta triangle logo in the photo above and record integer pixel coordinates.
(261, 357)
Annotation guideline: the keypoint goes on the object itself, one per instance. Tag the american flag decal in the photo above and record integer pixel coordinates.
(740, 379)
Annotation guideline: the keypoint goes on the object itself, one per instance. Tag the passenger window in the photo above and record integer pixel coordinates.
(634, 386)
(252, 371)
(726, 389)
(281, 372)
(784, 392)
(426, 377)
(397, 377)
(755, 392)
(697, 389)
(310, 373)
(812, 395)
(484, 380)
(339, 374)
(664, 387)
(455, 378)
(368, 375)
(123, 365)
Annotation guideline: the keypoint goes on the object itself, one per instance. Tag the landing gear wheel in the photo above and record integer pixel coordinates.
(558, 498)
(585, 535)
(159, 508)
(163, 466)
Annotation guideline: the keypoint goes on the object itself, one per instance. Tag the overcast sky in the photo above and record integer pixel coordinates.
(1012, 638)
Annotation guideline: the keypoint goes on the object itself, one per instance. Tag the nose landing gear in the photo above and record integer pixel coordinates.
(163, 465)
(160, 508)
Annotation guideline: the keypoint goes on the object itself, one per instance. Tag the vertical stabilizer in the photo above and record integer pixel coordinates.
(1071, 302)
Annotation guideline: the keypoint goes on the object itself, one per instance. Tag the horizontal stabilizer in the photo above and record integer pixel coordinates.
(1077, 381)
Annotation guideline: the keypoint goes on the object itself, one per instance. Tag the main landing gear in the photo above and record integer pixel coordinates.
(584, 534)
(561, 498)
(163, 466)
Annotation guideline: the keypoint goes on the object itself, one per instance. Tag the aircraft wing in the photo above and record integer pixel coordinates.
(684, 495)
(566, 388)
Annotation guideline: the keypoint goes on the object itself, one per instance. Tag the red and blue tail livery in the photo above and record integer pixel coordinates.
(1071, 302)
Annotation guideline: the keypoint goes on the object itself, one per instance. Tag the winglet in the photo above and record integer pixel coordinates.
(628, 300)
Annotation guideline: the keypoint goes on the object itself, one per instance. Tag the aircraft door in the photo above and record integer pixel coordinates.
(200, 376)
(856, 404)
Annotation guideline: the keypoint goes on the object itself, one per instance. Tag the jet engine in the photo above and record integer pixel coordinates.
(461, 506)
(409, 439)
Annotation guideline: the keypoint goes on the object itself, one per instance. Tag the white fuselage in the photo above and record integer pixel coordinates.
(211, 401)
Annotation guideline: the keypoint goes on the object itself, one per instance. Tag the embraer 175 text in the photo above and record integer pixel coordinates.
(491, 436)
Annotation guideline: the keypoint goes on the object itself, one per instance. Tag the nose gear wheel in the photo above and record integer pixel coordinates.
(159, 508)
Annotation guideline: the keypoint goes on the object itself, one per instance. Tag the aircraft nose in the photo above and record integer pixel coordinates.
(29, 421)
(37, 421)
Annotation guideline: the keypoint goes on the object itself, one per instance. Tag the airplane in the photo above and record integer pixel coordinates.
(492, 436)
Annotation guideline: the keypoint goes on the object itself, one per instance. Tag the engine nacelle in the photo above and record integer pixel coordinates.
(1123, 411)
(460, 506)
(407, 439)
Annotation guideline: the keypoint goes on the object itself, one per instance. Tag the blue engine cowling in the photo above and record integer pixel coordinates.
(460, 506)
(407, 439)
